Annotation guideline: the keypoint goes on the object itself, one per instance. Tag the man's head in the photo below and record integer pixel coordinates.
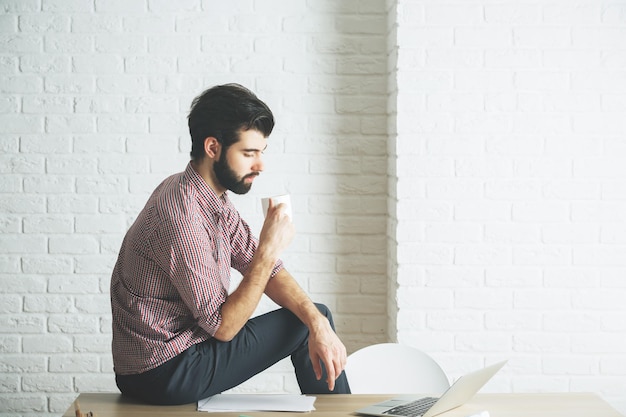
(223, 112)
(230, 117)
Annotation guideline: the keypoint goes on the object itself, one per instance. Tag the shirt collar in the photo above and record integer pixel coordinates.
(206, 196)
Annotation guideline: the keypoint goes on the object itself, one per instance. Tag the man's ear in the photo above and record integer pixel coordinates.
(211, 147)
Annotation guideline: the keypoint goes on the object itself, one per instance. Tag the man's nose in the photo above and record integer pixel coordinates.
(258, 164)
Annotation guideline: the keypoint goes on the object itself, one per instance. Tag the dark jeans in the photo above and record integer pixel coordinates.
(212, 367)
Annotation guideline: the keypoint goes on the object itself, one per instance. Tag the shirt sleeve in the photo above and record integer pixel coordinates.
(188, 256)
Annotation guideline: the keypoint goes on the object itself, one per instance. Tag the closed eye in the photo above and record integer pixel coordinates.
(251, 153)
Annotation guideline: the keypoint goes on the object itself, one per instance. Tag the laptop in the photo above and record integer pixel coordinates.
(458, 394)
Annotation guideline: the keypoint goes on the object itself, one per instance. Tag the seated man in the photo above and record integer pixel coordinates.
(178, 336)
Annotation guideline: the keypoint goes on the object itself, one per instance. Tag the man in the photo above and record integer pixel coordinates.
(178, 336)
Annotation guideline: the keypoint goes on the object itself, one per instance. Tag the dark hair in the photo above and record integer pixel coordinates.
(223, 112)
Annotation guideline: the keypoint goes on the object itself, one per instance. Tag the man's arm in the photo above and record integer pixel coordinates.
(324, 344)
(276, 234)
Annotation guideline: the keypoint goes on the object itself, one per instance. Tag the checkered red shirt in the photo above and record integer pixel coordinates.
(173, 272)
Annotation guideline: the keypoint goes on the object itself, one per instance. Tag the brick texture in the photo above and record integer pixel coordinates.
(509, 135)
(455, 169)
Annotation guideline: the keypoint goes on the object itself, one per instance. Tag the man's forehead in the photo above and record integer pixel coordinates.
(251, 139)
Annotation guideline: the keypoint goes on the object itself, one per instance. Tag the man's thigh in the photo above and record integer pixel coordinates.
(264, 340)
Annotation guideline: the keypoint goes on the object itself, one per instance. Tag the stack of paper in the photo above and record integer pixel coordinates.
(256, 402)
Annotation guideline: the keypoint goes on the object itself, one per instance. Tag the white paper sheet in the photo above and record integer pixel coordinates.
(257, 402)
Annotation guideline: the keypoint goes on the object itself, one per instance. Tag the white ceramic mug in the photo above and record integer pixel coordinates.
(279, 199)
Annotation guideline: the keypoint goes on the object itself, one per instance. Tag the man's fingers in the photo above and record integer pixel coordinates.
(317, 368)
(338, 370)
(334, 367)
(331, 375)
(328, 355)
(331, 384)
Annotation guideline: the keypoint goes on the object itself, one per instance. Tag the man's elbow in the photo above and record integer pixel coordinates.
(223, 334)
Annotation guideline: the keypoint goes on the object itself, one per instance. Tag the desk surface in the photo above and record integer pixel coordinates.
(498, 405)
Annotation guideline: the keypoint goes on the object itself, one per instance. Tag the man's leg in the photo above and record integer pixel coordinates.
(262, 342)
(212, 367)
(304, 368)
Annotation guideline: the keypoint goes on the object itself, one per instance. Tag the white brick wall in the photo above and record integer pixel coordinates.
(506, 224)
(505, 147)
(94, 96)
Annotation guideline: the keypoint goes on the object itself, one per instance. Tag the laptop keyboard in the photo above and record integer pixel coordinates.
(414, 408)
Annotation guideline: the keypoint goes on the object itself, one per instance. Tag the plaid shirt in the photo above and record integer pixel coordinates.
(173, 272)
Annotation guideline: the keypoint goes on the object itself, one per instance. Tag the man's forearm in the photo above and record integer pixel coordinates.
(285, 291)
(241, 304)
(324, 345)
(276, 234)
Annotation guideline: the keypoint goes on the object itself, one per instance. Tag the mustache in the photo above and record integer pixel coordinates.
(251, 175)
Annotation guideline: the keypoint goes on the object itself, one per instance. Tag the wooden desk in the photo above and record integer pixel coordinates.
(498, 405)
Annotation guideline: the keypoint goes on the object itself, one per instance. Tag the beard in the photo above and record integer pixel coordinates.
(229, 179)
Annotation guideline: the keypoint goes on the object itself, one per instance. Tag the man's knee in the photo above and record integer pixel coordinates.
(326, 312)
